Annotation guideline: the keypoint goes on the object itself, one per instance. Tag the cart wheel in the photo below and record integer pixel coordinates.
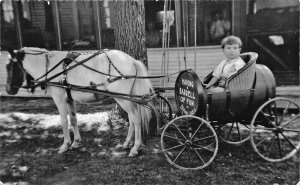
(164, 108)
(189, 143)
(275, 129)
(154, 129)
(234, 133)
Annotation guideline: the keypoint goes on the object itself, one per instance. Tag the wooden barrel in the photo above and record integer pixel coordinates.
(191, 98)
(241, 104)
(264, 89)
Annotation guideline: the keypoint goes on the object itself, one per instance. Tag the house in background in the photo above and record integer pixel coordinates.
(268, 27)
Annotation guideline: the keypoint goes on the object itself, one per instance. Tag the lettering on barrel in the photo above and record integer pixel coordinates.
(186, 94)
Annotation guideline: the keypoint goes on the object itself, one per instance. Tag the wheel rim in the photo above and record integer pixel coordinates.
(234, 133)
(189, 143)
(155, 120)
(275, 130)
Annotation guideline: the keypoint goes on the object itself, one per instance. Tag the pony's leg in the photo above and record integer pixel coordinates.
(127, 106)
(137, 136)
(130, 133)
(61, 104)
(71, 104)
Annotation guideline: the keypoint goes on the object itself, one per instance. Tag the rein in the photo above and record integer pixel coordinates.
(130, 76)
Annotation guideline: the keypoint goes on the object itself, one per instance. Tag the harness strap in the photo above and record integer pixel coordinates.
(109, 80)
(141, 99)
(69, 58)
(62, 72)
(46, 72)
(50, 69)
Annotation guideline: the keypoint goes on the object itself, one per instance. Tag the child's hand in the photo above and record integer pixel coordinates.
(222, 83)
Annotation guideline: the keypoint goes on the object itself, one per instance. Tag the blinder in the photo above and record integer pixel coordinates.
(16, 72)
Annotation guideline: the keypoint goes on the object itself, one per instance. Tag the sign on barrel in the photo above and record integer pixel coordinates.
(187, 92)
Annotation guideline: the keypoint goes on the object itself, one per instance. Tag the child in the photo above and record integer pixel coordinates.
(232, 48)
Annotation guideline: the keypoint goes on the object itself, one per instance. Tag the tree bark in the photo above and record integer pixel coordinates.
(130, 34)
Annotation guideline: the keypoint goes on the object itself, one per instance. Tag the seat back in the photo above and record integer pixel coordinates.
(244, 78)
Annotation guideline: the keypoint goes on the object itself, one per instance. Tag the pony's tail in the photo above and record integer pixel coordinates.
(142, 87)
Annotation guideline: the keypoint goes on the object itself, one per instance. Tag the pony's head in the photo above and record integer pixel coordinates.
(15, 71)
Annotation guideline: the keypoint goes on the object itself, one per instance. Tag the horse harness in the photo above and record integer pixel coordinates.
(141, 99)
(71, 56)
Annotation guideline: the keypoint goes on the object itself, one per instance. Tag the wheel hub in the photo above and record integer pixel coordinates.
(188, 142)
(278, 130)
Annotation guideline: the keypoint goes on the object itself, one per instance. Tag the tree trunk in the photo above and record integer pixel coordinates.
(130, 34)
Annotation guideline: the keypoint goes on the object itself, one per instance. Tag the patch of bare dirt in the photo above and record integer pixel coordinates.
(30, 136)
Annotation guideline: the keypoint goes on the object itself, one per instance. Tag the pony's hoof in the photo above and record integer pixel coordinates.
(75, 145)
(63, 148)
(133, 153)
(124, 147)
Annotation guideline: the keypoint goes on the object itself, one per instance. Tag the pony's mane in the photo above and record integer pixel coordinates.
(34, 50)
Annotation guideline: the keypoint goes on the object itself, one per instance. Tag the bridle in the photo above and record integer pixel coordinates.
(20, 64)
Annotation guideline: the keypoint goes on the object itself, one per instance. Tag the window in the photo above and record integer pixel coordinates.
(273, 32)
(36, 22)
(107, 24)
(77, 23)
(213, 22)
(8, 29)
(154, 15)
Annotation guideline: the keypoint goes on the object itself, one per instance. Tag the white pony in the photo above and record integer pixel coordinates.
(36, 62)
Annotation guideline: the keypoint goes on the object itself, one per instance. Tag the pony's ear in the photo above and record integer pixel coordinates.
(11, 52)
(20, 55)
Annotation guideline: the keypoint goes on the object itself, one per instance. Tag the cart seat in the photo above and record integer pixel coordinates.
(244, 78)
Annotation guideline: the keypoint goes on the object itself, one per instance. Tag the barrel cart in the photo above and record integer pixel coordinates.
(246, 110)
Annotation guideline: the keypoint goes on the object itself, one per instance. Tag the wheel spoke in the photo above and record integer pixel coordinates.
(270, 146)
(196, 130)
(189, 151)
(174, 147)
(180, 131)
(260, 142)
(265, 128)
(207, 137)
(266, 117)
(285, 111)
(279, 145)
(290, 130)
(174, 138)
(275, 114)
(246, 126)
(198, 155)
(203, 147)
(290, 120)
(238, 129)
(179, 154)
(288, 141)
(230, 130)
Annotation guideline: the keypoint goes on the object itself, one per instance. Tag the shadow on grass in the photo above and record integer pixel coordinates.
(29, 143)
